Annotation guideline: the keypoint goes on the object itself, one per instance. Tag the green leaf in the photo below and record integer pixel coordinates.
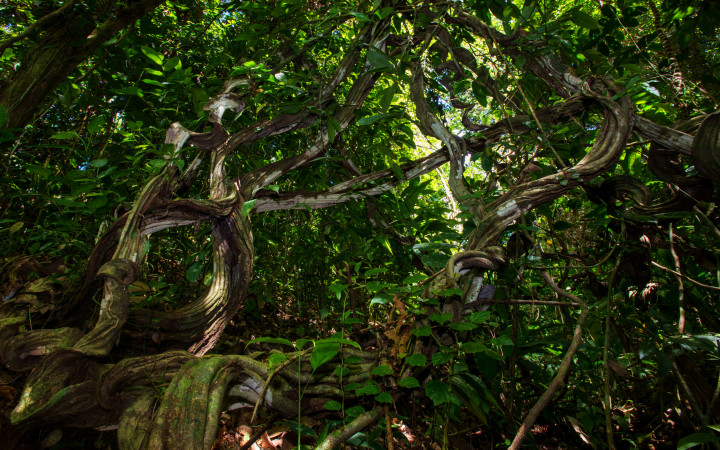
(635, 163)
(382, 370)
(338, 289)
(375, 271)
(323, 353)
(422, 331)
(441, 318)
(353, 359)
(354, 411)
(16, 227)
(416, 360)
(437, 391)
(207, 279)
(372, 119)
(463, 326)
(40, 171)
(503, 339)
(360, 16)
(479, 317)
(247, 207)
(375, 286)
(480, 93)
(152, 55)
(413, 279)
(379, 60)
(409, 382)
(96, 125)
(157, 163)
(303, 430)
(338, 340)
(468, 397)
(472, 347)
(150, 71)
(333, 405)
(194, 271)
(276, 358)
(173, 63)
(386, 11)
(682, 12)
(97, 202)
(155, 82)
(387, 97)
(334, 127)
(685, 33)
(130, 90)
(435, 260)
(383, 397)
(450, 292)
(487, 164)
(384, 241)
(369, 388)
(68, 202)
(583, 19)
(99, 162)
(64, 135)
(381, 299)
(440, 358)
(696, 439)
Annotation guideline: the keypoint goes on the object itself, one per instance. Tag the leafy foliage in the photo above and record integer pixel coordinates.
(457, 219)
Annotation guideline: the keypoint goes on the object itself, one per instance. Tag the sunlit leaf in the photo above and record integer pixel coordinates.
(247, 207)
(276, 358)
(372, 119)
(322, 353)
(152, 55)
(64, 135)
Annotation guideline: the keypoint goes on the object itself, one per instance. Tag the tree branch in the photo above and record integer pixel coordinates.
(344, 192)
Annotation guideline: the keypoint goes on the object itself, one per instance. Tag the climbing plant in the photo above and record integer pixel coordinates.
(384, 224)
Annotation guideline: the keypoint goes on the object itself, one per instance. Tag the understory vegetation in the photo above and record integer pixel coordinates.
(374, 224)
